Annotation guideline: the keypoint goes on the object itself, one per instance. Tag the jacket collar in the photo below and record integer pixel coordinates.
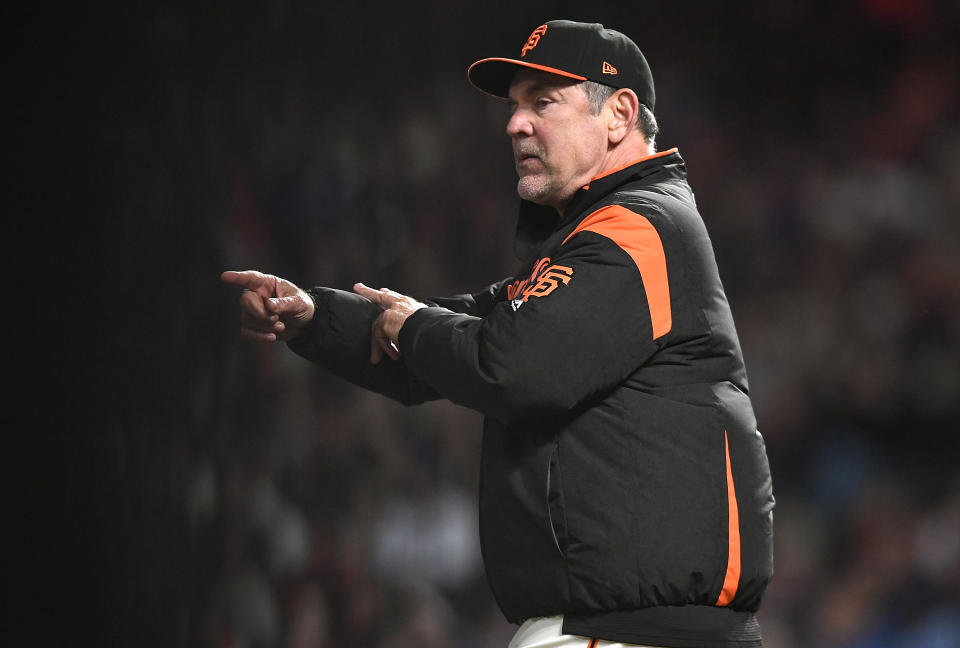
(537, 222)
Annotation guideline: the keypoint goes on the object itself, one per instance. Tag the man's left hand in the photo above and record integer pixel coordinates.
(385, 332)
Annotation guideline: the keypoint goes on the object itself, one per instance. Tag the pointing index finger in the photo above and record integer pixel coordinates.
(373, 295)
(246, 279)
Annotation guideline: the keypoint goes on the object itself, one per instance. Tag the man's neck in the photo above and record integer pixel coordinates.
(634, 148)
(630, 149)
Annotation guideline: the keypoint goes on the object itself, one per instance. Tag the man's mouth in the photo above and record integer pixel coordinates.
(527, 159)
(526, 151)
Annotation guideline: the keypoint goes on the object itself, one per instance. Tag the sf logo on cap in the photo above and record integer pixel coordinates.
(534, 39)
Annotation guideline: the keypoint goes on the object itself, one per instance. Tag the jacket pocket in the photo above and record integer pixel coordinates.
(555, 509)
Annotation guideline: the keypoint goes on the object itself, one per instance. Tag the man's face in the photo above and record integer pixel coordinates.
(558, 143)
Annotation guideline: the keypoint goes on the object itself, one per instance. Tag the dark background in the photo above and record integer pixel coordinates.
(191, 489)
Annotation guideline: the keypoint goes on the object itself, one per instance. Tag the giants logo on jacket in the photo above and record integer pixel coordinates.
(542, 281)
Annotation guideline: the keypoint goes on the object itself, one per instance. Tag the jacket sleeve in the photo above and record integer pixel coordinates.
(338, 339)
(594, 313)
(477, 304)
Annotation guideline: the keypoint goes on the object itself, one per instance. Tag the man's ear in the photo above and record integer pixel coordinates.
(622, 108)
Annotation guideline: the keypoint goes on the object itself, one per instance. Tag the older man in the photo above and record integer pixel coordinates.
(625, 493)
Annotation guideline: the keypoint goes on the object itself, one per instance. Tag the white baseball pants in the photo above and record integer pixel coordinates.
(545, 632)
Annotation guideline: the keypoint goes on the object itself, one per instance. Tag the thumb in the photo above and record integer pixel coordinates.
(284, 305)
(296, 310)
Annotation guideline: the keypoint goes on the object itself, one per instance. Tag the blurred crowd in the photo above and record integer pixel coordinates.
(272, 506)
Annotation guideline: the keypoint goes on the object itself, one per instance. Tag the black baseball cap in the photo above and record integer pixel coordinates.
(582, 51)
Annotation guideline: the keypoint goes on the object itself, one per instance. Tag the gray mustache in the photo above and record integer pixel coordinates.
(527, 151)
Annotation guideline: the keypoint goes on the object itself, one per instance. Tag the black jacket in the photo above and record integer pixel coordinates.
(624, 483)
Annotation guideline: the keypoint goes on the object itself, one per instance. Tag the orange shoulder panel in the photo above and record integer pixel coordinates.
(636, 236)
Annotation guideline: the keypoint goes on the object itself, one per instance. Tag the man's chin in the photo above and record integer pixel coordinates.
(531, 188)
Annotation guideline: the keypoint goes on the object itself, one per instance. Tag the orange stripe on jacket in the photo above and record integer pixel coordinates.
(638, 238)
(732, 579)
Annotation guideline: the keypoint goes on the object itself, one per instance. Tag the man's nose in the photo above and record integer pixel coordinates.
(519, 124)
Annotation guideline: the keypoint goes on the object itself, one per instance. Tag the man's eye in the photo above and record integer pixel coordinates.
(543, 102)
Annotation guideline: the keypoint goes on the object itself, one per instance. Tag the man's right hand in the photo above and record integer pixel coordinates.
(271, 308)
